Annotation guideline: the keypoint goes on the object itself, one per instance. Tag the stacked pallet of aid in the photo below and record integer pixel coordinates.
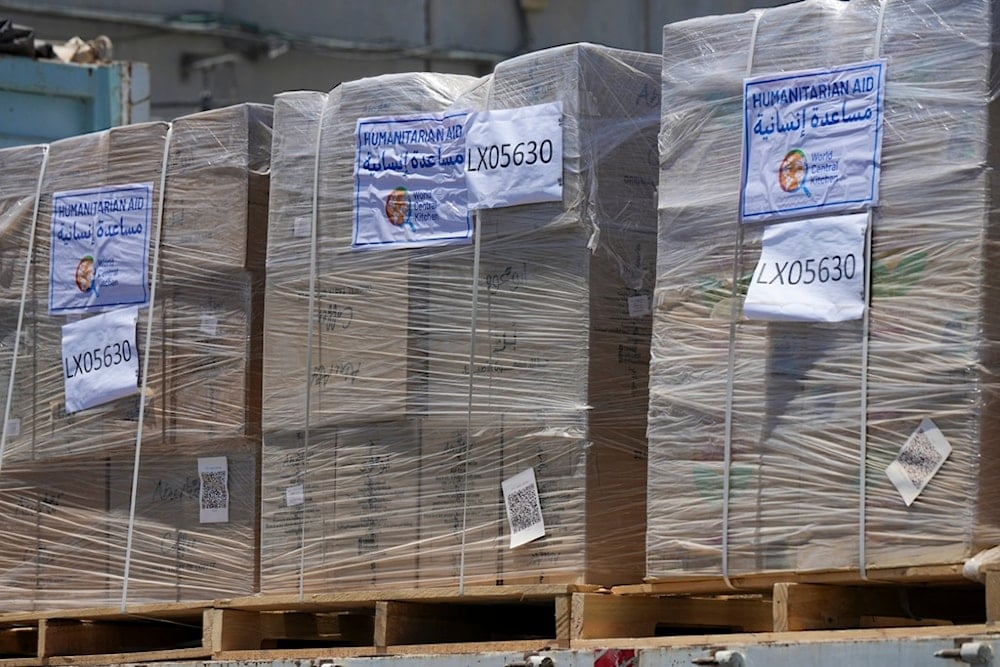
(126, 217)
(770, 441)
(428, 373)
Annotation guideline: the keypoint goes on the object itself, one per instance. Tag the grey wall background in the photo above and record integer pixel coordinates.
(210, 53)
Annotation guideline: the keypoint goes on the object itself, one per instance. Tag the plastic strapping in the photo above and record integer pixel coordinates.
(157, 238)
(468, 415)
(863, 435)
(314, 235)
(24, 295)
(865, 328)
(734, 311)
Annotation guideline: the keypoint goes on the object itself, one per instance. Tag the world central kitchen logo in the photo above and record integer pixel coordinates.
(793, 171)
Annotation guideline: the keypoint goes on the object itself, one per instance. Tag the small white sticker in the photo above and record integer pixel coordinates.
(918, 460)
(514, 156)
(100, 359)
(524, 510)
(213, 492)
(295, 495)
(810, 271)
(302, 227)
(13, 427)
(209, 324)
(638, 305)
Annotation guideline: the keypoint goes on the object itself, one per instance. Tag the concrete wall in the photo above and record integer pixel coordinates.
(209, 53)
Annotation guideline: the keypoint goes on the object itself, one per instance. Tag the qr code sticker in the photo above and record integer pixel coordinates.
(214, 492)
(523, 508)
(919, 458)
(918, 461)
(213, 496)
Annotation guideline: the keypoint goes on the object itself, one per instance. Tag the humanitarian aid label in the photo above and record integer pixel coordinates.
(410, 188)
(100, 248)
(812, 141)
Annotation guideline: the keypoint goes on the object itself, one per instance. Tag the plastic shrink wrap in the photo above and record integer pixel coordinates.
(391, 474)
(69, 473)
(814, 421)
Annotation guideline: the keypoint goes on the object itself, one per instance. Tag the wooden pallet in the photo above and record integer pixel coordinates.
(144, 633)
(904, 597)
(476, 619)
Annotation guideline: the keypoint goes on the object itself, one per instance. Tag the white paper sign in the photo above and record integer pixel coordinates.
(810, 271)
(100, 359)
(524, 511)
(812, 141)
(100, 248)
(514, 156)
(919, 459)
(410, 181)
(213, 491)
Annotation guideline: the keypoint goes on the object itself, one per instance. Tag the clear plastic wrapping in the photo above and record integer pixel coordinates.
(202, 390)
(66, 528)
(805, 402)
(428, 385)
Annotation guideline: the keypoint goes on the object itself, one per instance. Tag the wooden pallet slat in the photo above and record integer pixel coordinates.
(825, 607)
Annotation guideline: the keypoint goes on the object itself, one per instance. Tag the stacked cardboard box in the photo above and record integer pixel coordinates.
(801, 493)
(66, 532)
(553, 331)
(336, 377)
(203, 384)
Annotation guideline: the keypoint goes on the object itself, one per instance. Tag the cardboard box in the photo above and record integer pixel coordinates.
(341, 508)
(354, 366)
(22, 169)
(216, 195)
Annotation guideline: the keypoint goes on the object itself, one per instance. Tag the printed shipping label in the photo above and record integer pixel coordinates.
(524, 510)
(100, 248)
(812, 141)
(810, 271)
(919, 459)
(410, 181)
(514, 156)
(100, 359)
(213, 491)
